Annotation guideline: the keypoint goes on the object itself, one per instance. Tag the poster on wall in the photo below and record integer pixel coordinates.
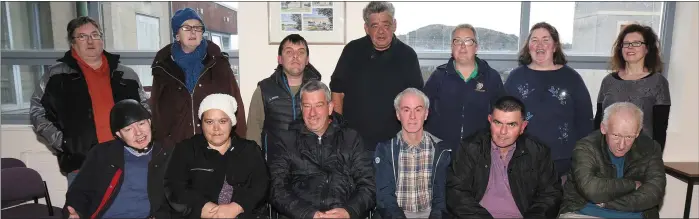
(317, 22)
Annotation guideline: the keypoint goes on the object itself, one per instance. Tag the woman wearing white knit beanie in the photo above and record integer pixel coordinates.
(217, 165)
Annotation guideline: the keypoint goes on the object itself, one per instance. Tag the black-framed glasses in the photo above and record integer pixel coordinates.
(632, 44)
(93, 36)
(459, 42)
(195, 28)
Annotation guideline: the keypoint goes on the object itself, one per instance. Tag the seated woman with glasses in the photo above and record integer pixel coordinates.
(185, 72)
(217, 174)
(636, 78)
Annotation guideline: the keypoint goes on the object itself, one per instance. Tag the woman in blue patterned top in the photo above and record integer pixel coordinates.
(636, 78)
(557, 100)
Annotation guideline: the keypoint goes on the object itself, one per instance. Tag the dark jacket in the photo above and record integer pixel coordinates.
(61, 107)
(317, 173)
(198, 175)
(535, 186)
(458, 108)
(102, 176)
(593, 177)
(175, 110)
(280, 105)
(387, 172)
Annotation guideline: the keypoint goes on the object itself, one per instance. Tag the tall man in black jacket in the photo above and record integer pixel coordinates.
(502, 173)
(322, 170)
(122, 178)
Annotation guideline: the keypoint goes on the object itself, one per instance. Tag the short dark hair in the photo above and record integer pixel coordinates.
(653, 62)
(559, 58)
(294, 39)
(77, 23)
(510, 104)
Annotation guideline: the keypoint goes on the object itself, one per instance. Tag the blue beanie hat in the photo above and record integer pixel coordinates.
(183, 15)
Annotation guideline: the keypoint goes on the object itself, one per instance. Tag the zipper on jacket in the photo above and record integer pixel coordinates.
(293, 97)
(191, 96)
(462, 122)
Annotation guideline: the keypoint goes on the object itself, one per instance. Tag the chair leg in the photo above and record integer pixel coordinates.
(48, 199)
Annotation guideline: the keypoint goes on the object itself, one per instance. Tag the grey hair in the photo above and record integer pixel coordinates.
(399, 97)
(466, 26)
(315, 85)
(378, 7)
(623, 106)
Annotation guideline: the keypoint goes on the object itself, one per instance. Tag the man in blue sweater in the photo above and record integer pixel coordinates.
(122, 178)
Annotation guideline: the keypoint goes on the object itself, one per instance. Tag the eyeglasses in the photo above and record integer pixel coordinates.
(459, 42)
(634, 44)
(195, 28)
(617, 137)
(93, 36)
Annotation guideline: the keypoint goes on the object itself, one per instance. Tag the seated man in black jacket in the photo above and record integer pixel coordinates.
(122, 178)
(502, 173)
(322, 170)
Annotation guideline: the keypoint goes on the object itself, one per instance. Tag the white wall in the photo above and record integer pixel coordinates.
(258, 59)
(683, 74)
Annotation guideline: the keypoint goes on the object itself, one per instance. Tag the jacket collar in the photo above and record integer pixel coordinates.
(165, 60)
(386, 53)
(486, 145)
(68, 59)
(309, 73)
(436, 142)
(116, 148)
(634, 153)
(337, 122)
(483, 68)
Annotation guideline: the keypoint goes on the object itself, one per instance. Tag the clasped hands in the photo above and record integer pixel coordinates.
(211, 210)
(332, 213)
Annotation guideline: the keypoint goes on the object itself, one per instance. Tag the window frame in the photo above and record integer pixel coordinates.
(498, 60)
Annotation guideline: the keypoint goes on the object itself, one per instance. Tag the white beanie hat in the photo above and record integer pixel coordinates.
(223, 102)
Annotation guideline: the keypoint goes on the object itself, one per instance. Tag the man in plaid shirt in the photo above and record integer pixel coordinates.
(411, 167)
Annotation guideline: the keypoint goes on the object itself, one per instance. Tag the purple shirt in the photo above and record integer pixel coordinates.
(498, 196)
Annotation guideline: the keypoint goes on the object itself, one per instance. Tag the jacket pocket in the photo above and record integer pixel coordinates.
(202, 169)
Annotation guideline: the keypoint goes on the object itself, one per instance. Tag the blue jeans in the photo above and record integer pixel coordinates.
(71, 177)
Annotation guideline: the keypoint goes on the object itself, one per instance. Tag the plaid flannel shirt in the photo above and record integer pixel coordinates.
(414, 189)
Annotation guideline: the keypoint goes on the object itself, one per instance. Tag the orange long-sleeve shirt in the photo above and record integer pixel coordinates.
(100, 89)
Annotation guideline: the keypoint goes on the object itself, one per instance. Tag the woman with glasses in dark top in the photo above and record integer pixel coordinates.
(636, 78)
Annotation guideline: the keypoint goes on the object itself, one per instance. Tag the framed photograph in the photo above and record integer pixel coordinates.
(318, 22)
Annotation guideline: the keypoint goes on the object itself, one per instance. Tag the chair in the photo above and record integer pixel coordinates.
(21, 184)
(8, 162)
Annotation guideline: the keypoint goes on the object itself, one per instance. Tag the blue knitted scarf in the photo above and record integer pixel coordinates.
(191, 63)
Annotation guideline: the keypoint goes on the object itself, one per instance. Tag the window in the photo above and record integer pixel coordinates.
(590, 28)
(17, 86)
(147, 32)
(496, 23)
(29, 25)
(135, 26)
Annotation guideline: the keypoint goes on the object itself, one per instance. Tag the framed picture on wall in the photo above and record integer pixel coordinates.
(318, 22)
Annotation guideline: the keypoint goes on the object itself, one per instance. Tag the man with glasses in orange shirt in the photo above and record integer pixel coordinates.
(70, 107)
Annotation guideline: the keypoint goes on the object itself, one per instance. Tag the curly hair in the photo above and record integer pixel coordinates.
(653, 62)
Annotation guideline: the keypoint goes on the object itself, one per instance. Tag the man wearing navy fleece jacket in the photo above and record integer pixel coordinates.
(461, 91)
